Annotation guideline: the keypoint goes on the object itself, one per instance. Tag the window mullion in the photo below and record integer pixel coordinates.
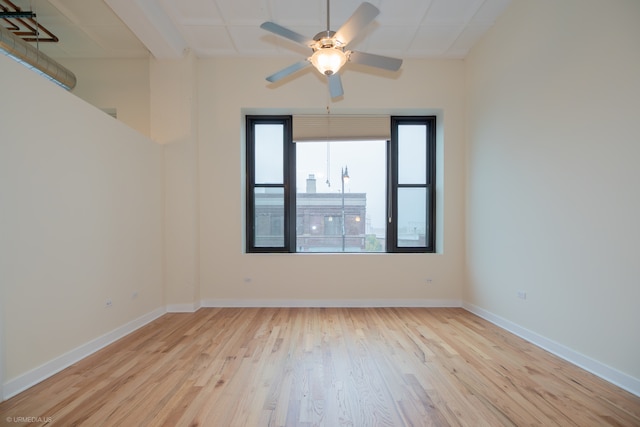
(392, 180)
(290, 189)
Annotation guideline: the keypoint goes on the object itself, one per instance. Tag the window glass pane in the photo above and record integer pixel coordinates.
(412, 217)
(269, 153)
(412, 154)
(269, 217)
(321, 223)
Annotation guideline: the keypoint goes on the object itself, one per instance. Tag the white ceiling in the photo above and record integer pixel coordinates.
(210, 28)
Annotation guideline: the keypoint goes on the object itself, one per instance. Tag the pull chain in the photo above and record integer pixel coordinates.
(328, 182)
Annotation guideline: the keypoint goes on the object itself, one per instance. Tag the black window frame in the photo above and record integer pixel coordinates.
(289, 159)
(393, 185)
(289, 185)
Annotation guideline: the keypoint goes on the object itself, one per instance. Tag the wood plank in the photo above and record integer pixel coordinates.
(323, 367)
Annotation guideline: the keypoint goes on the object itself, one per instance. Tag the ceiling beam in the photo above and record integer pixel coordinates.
(153, 27)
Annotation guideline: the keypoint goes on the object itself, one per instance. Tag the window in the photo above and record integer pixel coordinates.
(412, 184)
(346, 193)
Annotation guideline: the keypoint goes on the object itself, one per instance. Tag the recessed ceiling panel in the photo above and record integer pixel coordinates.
(296, 12)
(389, 40)
(190, 11)
(250, 40)
(490, 10)
(342, 10)
(208, 37)
(243, 12)
(193, 12)
(452, 11)
(403, 12)
(434, 40)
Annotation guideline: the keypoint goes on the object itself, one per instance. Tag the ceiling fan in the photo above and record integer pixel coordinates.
(329, 48)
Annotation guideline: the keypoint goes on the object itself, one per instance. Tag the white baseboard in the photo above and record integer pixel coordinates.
(36, 375)
(349, 303)
(620, 379)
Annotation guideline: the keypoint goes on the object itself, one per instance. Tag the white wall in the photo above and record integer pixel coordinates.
(120, 84)
(80, 222)
(157, 98)
(226, 88)
(173, 124)
(553, 199)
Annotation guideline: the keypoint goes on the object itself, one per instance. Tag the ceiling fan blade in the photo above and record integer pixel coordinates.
(379, 61)
(362, 17)
(335, 85)
(287, 33)
(288, 71)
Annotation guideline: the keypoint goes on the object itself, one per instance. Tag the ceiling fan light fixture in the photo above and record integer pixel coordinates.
(328, 60)
(330, 48)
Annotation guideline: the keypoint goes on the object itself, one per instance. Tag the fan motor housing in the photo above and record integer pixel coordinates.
(324, 35)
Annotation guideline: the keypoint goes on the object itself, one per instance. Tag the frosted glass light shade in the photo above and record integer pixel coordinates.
(328, 60)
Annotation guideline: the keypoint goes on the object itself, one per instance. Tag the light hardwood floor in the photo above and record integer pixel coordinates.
(323, 367)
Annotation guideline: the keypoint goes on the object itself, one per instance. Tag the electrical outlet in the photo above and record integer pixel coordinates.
(134, 295)
(428, 281)
(522, 295)
(108, 303)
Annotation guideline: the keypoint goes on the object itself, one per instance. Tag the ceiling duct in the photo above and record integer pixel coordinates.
(21, 51)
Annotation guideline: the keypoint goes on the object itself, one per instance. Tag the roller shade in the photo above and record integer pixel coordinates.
(343, 127)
